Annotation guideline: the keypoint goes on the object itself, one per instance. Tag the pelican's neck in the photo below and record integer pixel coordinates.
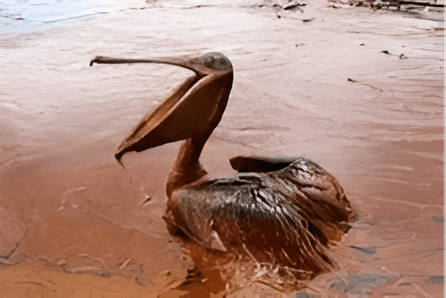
(187, 167)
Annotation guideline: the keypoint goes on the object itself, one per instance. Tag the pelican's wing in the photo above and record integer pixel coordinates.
(257, 164)
(245, 215)
(325, 203)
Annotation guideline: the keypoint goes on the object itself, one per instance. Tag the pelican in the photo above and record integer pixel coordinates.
(279, 211)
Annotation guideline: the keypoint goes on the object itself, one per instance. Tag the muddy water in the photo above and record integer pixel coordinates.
(321, 88)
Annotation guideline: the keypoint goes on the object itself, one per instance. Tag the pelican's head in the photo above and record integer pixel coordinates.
(207, 64)
(193, 110)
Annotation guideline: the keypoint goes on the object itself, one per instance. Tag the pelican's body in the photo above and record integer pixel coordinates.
(282, 217)
(283, 213)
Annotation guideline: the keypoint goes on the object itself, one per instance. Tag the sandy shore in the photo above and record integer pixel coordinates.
(358, 91)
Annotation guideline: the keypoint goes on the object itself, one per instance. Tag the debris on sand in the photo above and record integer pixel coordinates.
(282, 5)
(389, 4)
(402, 56)
(308, 20)
(288, 4)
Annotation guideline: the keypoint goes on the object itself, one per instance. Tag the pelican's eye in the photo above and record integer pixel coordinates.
(210, 62)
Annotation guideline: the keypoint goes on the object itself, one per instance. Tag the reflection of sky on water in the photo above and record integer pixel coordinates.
(16, 15)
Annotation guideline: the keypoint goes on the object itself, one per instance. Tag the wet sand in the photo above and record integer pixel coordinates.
(315, 84)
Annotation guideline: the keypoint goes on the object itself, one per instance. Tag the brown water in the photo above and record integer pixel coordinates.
(84, 224)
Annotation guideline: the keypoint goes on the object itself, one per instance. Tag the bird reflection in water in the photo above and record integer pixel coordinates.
(272, 222)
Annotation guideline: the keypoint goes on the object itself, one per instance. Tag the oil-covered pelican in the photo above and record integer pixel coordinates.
(283, 212)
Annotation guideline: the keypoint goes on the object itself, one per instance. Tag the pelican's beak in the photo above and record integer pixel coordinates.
(192, 110)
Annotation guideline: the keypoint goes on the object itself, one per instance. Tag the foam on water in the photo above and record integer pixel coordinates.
(19, 15)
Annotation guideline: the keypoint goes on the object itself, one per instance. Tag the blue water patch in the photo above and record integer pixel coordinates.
(18, 15)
